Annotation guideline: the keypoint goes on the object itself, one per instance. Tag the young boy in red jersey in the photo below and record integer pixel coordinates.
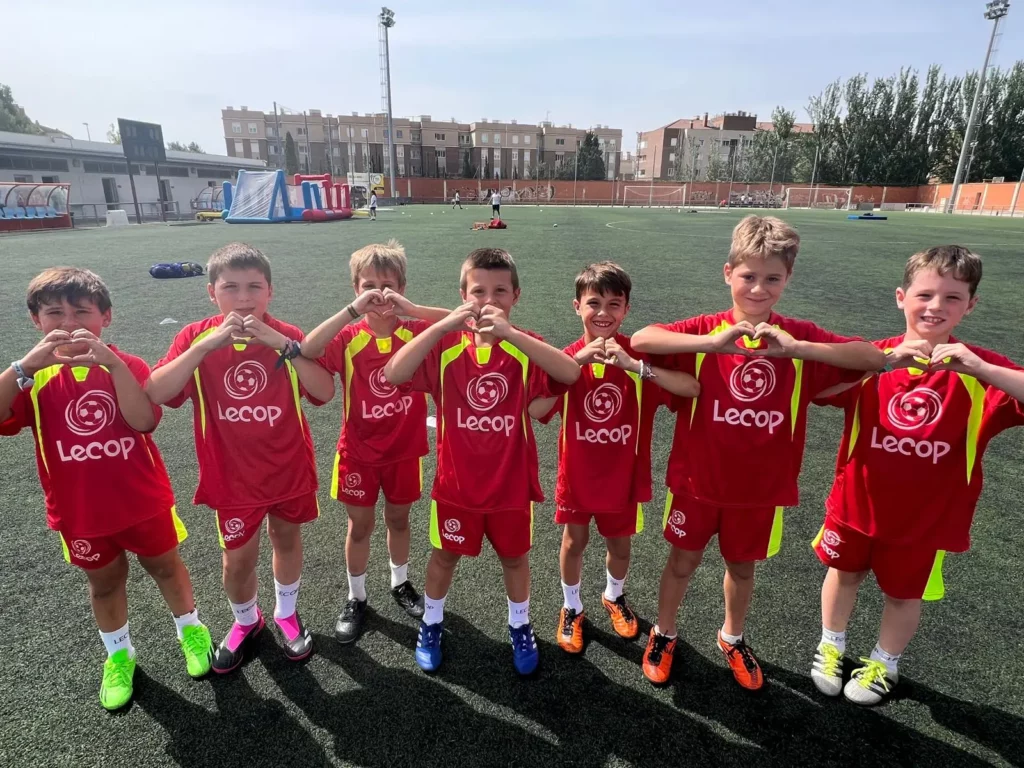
(606, 432)
(909, 474)
(85, 404)
(384, 432)
(244, 373)
(483, 373)
(736, 453)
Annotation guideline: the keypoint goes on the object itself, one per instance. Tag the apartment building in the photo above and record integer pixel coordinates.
(693, 142)
(424, 147)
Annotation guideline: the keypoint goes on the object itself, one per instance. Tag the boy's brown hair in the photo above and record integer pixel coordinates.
(761, 237)
(381, 257)
(237, 256)
(71, 283)
(605, 278)
(956, 260)
(489, 258)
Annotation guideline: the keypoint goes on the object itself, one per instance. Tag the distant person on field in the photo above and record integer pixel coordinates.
(496, 204)
(457, 201)
(244, 373)
(106, 488)
(373, 205)
(758, 372)
(909, 474)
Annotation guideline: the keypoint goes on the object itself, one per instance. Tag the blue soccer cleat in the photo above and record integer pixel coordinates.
(525, 654)
(428, 646)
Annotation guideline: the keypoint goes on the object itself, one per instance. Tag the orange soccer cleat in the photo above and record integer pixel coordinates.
(743, 663)
(570, 631)
(623, 619)
(658, 657)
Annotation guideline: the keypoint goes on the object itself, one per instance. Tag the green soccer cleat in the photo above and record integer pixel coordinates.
(118, 671)
(198, 649)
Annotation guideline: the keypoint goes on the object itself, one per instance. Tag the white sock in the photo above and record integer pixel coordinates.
(399, 574)
(433, 610)
(357, 587)
(890, 660)
(838, 639)
(613, 587)
(731, 639)
(287, 596)
(246, 613)
(190, 619)
(117, 640)
(518, 613)
(657, 631)
(571, 596)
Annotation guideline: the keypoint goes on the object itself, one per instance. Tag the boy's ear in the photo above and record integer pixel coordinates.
(576, 305)
(35, 320)
(106, 318)
(209, 291)
(727, 272)
(515, 296)
(971, 305)
(901, 296)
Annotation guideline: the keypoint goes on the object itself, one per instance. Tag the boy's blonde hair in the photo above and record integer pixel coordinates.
(489, 259)
(237, 256)
(956, 260)
(761, 237)
(69, 283)
(381, 257)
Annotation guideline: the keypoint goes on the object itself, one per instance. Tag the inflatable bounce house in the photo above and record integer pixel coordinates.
(33, 206)
(264, 197)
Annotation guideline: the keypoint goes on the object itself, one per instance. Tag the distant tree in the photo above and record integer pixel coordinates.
(591, 159)
(291, 155)
(718, 169)
(468, 169)
(177, 146)
(13, 117)
(113, 135)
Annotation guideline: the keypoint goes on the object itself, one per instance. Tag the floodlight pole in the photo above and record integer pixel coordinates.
(88, 135)
(387, 20)
(995, 12)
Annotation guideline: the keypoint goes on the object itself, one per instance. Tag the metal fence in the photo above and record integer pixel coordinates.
(95, 214)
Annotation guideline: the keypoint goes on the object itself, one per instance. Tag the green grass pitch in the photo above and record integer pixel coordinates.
(960, 702)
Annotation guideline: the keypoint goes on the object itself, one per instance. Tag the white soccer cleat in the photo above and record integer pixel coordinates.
(870, 684)
(827, 669)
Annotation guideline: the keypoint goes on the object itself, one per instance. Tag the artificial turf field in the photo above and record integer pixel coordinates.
(959, 701)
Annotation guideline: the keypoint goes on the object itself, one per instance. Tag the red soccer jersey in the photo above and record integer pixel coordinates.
(909, 465)
(381, 424)
(604, 443)
(486, 452)
(740, 443)
(252, 439)
(99, 475)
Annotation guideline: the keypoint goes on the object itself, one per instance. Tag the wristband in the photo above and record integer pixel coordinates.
(352, 311)
(24, 380)
(291, 350)
(888, 367)
(646, 371)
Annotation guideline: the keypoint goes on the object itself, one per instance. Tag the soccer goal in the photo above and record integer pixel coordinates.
(654, 196)
(819, 197)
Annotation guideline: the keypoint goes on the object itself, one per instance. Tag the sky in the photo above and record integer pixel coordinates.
(633, 66)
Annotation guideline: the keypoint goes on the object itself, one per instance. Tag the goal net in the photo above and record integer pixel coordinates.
(257, 196)
(819, 197)
(659, 195)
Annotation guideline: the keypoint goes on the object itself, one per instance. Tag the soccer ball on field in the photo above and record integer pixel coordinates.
(554, 225)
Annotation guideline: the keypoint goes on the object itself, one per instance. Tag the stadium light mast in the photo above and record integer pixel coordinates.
(387, 20)
(995, 11)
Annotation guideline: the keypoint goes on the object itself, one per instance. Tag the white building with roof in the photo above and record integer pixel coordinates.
(98, 174)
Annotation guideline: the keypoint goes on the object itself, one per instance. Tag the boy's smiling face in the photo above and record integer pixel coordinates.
(491, 287)
(602, 314)
(245, 291)
(64, 315)
(934, 304)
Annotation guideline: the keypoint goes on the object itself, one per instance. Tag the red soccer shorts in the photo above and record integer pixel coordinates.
(744, 533)
(459, 530)
(611, 525)
(236, 526)
(361, 484)
(903, 572)
(150, 538)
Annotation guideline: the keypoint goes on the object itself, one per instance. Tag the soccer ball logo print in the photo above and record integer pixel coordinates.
(245, 380)
(234, 525)
(352, 479)
(452, 525)
(603, 403)
(752, 381)
(90, 413)
(677, 518)
(486, 391)
(81, 547)
(916, 408)
(380, 386)
(831, 538)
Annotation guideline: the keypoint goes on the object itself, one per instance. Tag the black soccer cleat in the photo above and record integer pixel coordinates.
(350, 623)
(408, 599)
